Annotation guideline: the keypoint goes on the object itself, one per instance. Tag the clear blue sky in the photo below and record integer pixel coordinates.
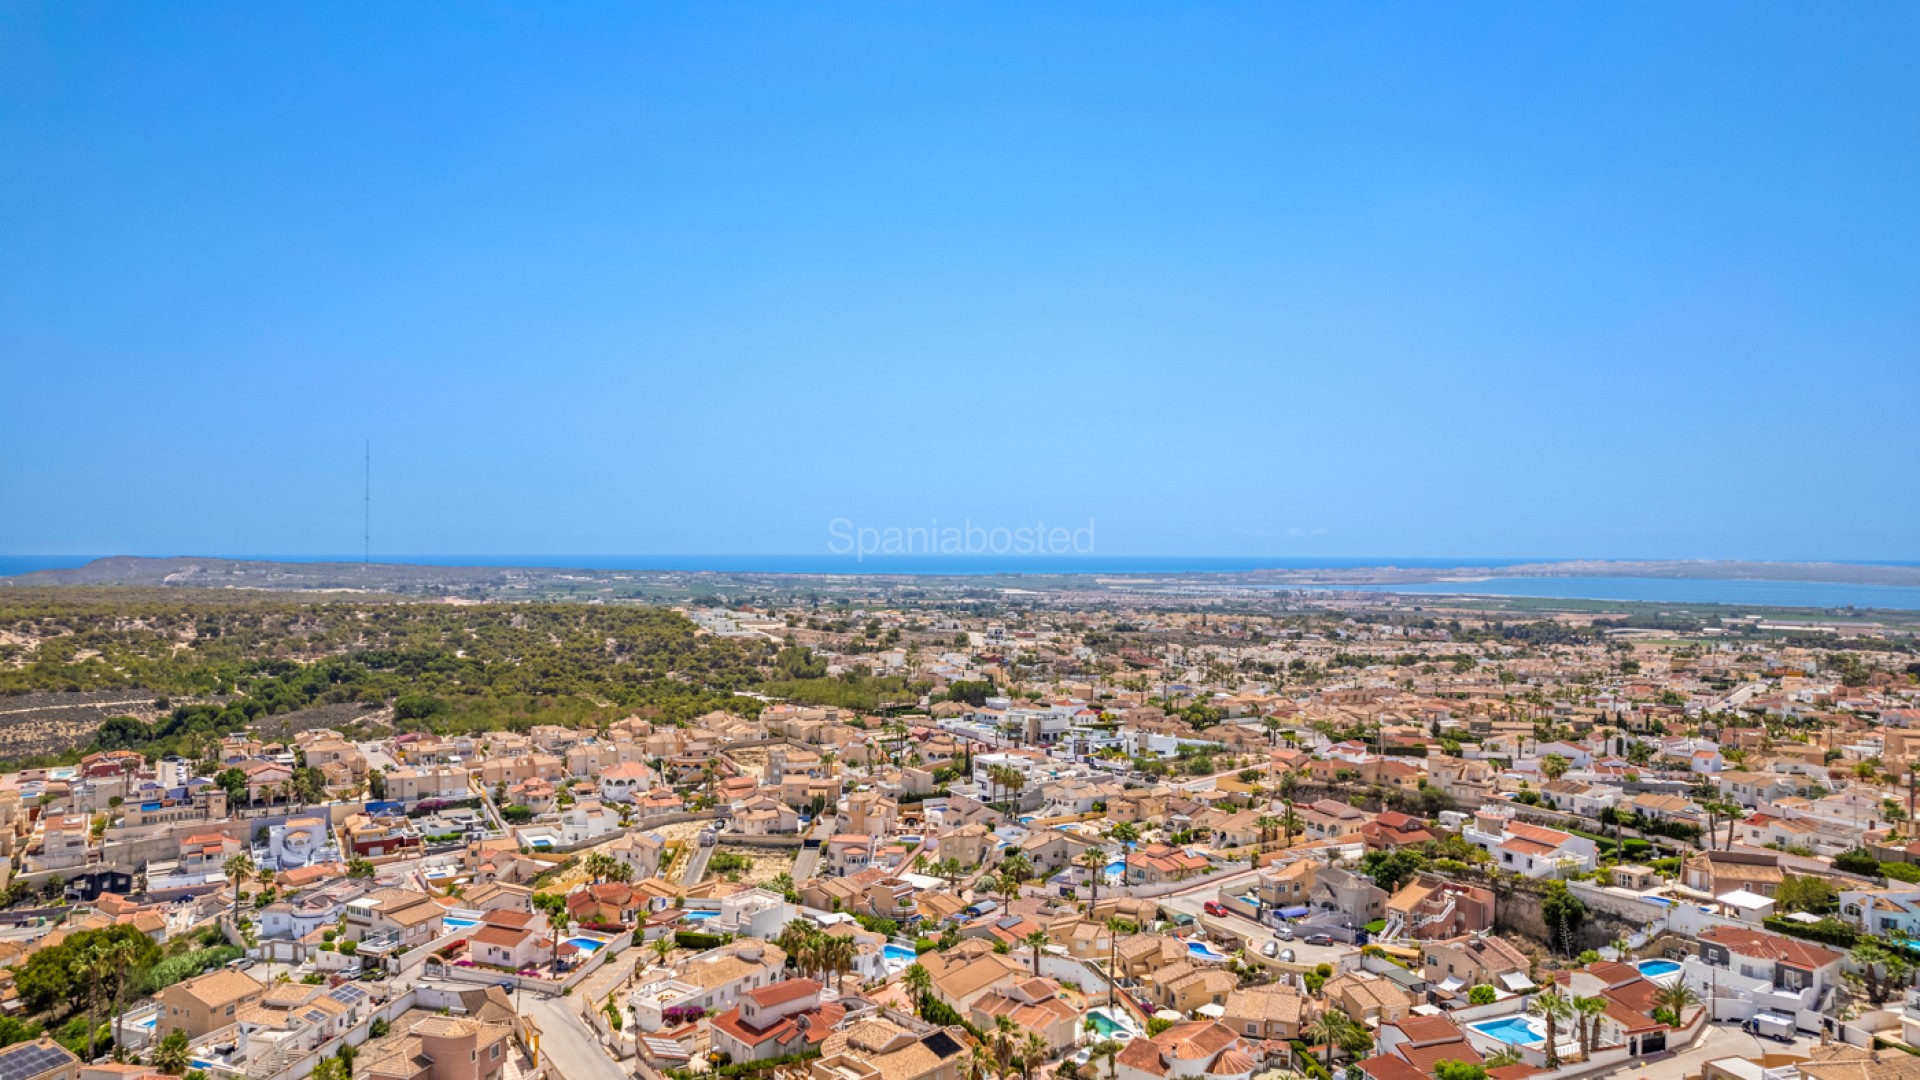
(1278, 279)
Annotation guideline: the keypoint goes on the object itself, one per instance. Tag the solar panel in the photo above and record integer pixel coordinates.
(29, 1059)
(941, 1044)
(348, 994)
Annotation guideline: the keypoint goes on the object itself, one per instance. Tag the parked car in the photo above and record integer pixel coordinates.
(1285, 933)
(1319, 939)
(1286, 956)
(1271, 948)
(1214, 907)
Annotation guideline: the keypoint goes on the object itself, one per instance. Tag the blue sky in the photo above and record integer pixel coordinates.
(1289, 280)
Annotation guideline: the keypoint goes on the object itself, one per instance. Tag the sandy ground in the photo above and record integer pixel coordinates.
(768, 863)
(751, 759)
(685, 831)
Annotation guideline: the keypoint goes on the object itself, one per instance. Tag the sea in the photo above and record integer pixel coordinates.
(1745, 593)
(1734, 591)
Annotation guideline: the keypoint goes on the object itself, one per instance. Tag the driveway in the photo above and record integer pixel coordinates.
(1718, 1041)
(567, 1047)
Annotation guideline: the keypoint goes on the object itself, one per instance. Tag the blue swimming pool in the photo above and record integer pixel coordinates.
(699, 916)
(1204, 951)
(898, 952)
(1106, 1026)
(1512, 1030)
(1655, 968)
(585, 944)
(455, 923)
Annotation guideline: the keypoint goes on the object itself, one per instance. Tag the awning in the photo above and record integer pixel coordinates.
(1516, 981)
(1454, 982)
(1294, 912)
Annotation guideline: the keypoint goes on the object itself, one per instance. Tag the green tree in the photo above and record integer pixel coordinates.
(1858, 861)
(1459, 1070)
(1392, 869)
(1804, 892)
(1552, 1006)
(1588, 1010)
(1563, 913)
(234, 782)
(1676, 998)
(919, 982)
(1482, 994)
(173, 1055)
(238, 869)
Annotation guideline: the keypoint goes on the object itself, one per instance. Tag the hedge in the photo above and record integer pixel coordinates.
(1303, 1059)
(698, 942)
(1827, 931)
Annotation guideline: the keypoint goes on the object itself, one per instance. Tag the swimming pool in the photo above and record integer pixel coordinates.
(1204, 951)
(899, 952)
(1109, 1028)
(1116, 868)
(585, 944)
(1512, 1030)
(454, 923)
(1653, 969)
(699, 916)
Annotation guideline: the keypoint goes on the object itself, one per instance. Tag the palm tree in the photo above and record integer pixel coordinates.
(1013, 782)
(919, 983)
(1588, 1011)
(1551, 1005)
(1035, 941)
(1116, 926)
(798, 940)
(1290, 822)
(238, 869)
(1032, 1052)
(93, 967)
(1676, 998)
(975, 1067)
(1003, 1031)
(662, 948)
(1268, 826)
(837, 956)
(174, 1053)
(1330, 1027)
(1870, 955)
(1095, 862)
(117, 957)
(597, 866)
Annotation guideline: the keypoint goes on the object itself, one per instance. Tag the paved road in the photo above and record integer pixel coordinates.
(1718, 1041)
(570, 1050)
(803, 867)
(697, 866)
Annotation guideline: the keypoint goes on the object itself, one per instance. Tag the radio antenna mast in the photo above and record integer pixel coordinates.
(366, 511)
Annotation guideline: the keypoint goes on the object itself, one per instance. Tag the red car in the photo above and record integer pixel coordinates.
(1214, 907)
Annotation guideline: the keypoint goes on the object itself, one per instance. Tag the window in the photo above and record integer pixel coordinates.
(495, 1054)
